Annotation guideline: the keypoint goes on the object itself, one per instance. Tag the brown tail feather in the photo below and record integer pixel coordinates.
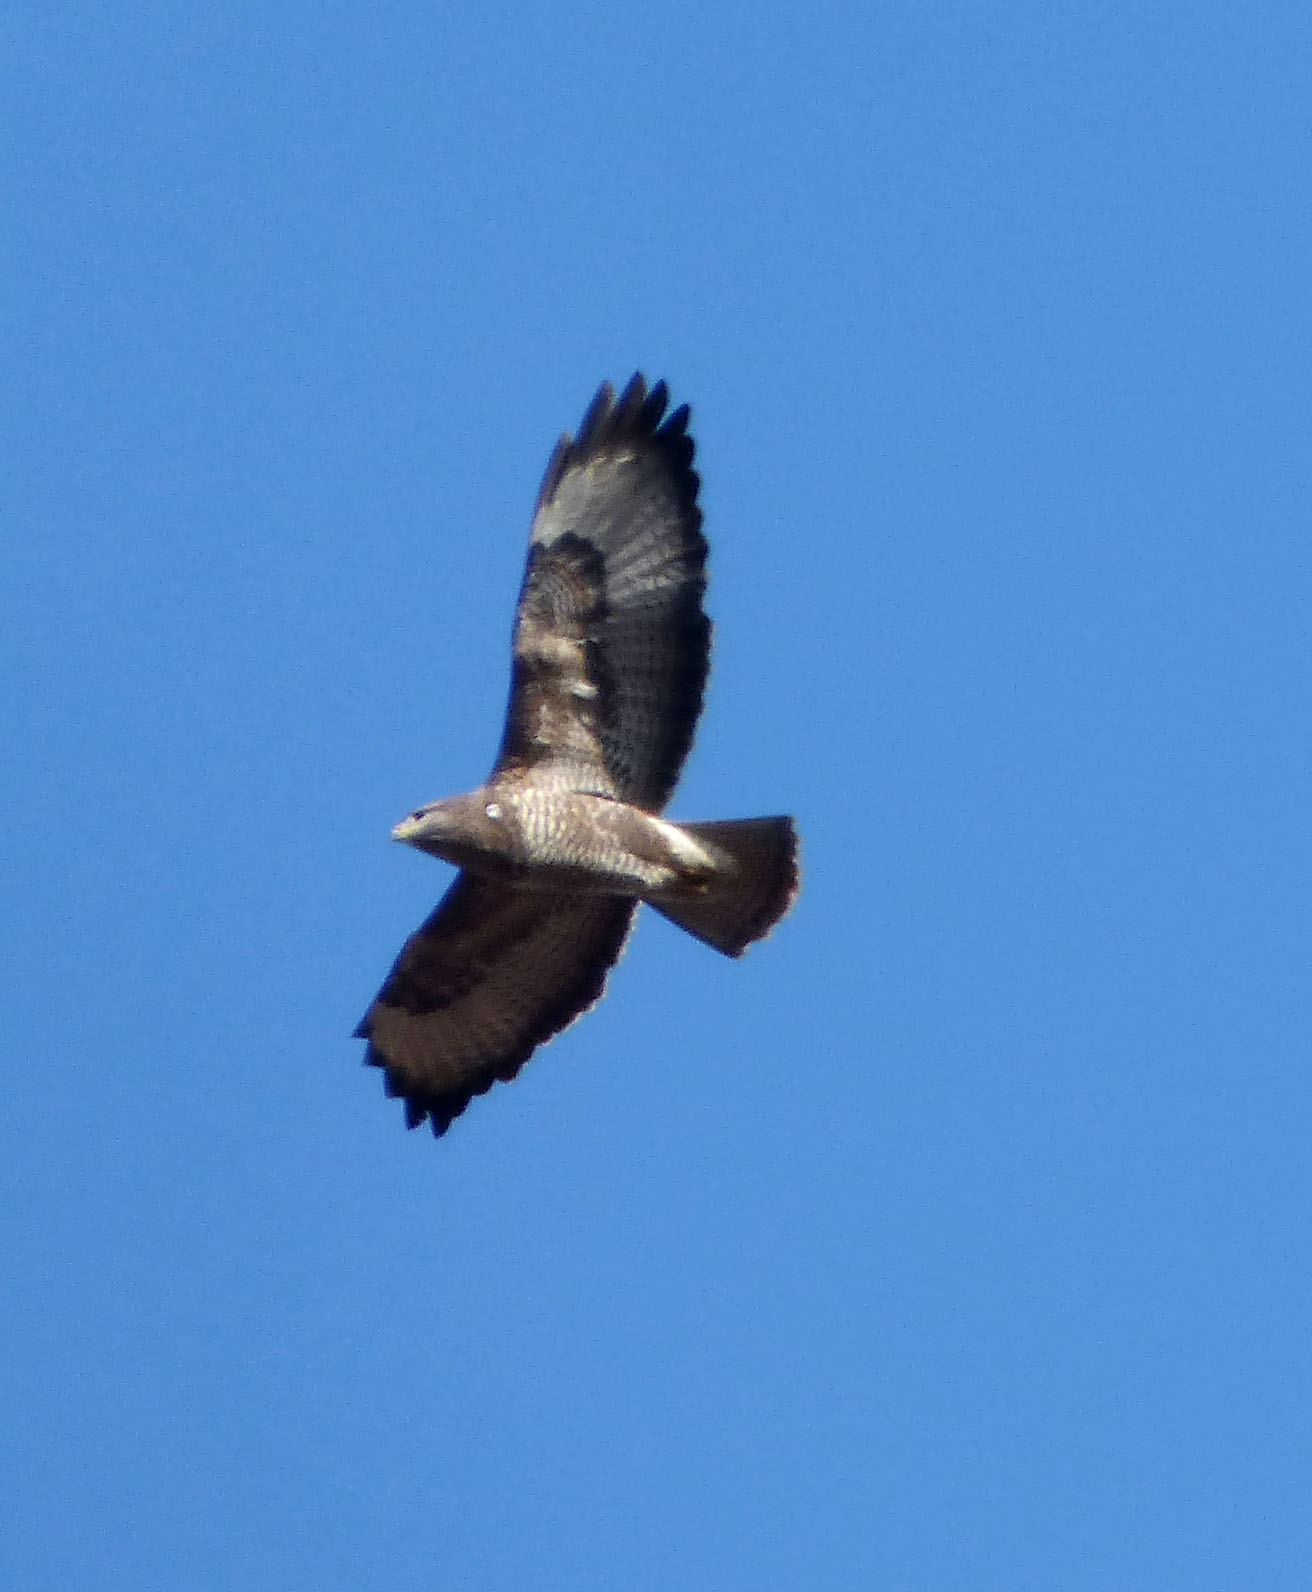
(747, 897)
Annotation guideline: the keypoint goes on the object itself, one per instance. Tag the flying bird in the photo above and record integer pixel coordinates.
(610, 654)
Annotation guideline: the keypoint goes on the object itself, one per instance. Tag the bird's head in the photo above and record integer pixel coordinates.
(471, 831)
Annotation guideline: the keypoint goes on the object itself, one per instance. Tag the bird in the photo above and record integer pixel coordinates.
(610, 654)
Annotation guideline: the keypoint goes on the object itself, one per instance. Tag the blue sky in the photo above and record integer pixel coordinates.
(957, 1237)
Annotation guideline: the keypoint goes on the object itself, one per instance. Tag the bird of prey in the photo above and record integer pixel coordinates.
(556, 850)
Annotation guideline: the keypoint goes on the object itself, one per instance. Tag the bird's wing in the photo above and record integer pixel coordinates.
(611, 646)
(492, 973)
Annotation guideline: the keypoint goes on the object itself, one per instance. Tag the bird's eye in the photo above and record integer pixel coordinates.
(416, 815)
(493, 809)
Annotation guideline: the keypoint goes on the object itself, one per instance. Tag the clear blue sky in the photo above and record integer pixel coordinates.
(958, 1237)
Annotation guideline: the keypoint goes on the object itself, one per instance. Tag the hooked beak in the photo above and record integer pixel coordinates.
(409, 827)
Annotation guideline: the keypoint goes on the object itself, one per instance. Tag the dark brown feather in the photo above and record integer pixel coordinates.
(491, 974)
(611, 646)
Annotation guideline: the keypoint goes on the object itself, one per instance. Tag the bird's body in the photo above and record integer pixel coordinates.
(610, 655)
(559, 841)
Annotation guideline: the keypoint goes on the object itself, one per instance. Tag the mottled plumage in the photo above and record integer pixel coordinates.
(610, 654)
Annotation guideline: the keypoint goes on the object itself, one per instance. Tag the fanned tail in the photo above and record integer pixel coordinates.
(748, 894)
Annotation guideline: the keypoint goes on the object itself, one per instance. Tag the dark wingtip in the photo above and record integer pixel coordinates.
(637, 412)
(419, 1107)
(595, 414)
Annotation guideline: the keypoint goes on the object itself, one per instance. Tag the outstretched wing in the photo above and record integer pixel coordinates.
(611, 646)
(492, 973)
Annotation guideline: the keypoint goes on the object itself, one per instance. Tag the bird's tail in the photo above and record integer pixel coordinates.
(753, 887)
